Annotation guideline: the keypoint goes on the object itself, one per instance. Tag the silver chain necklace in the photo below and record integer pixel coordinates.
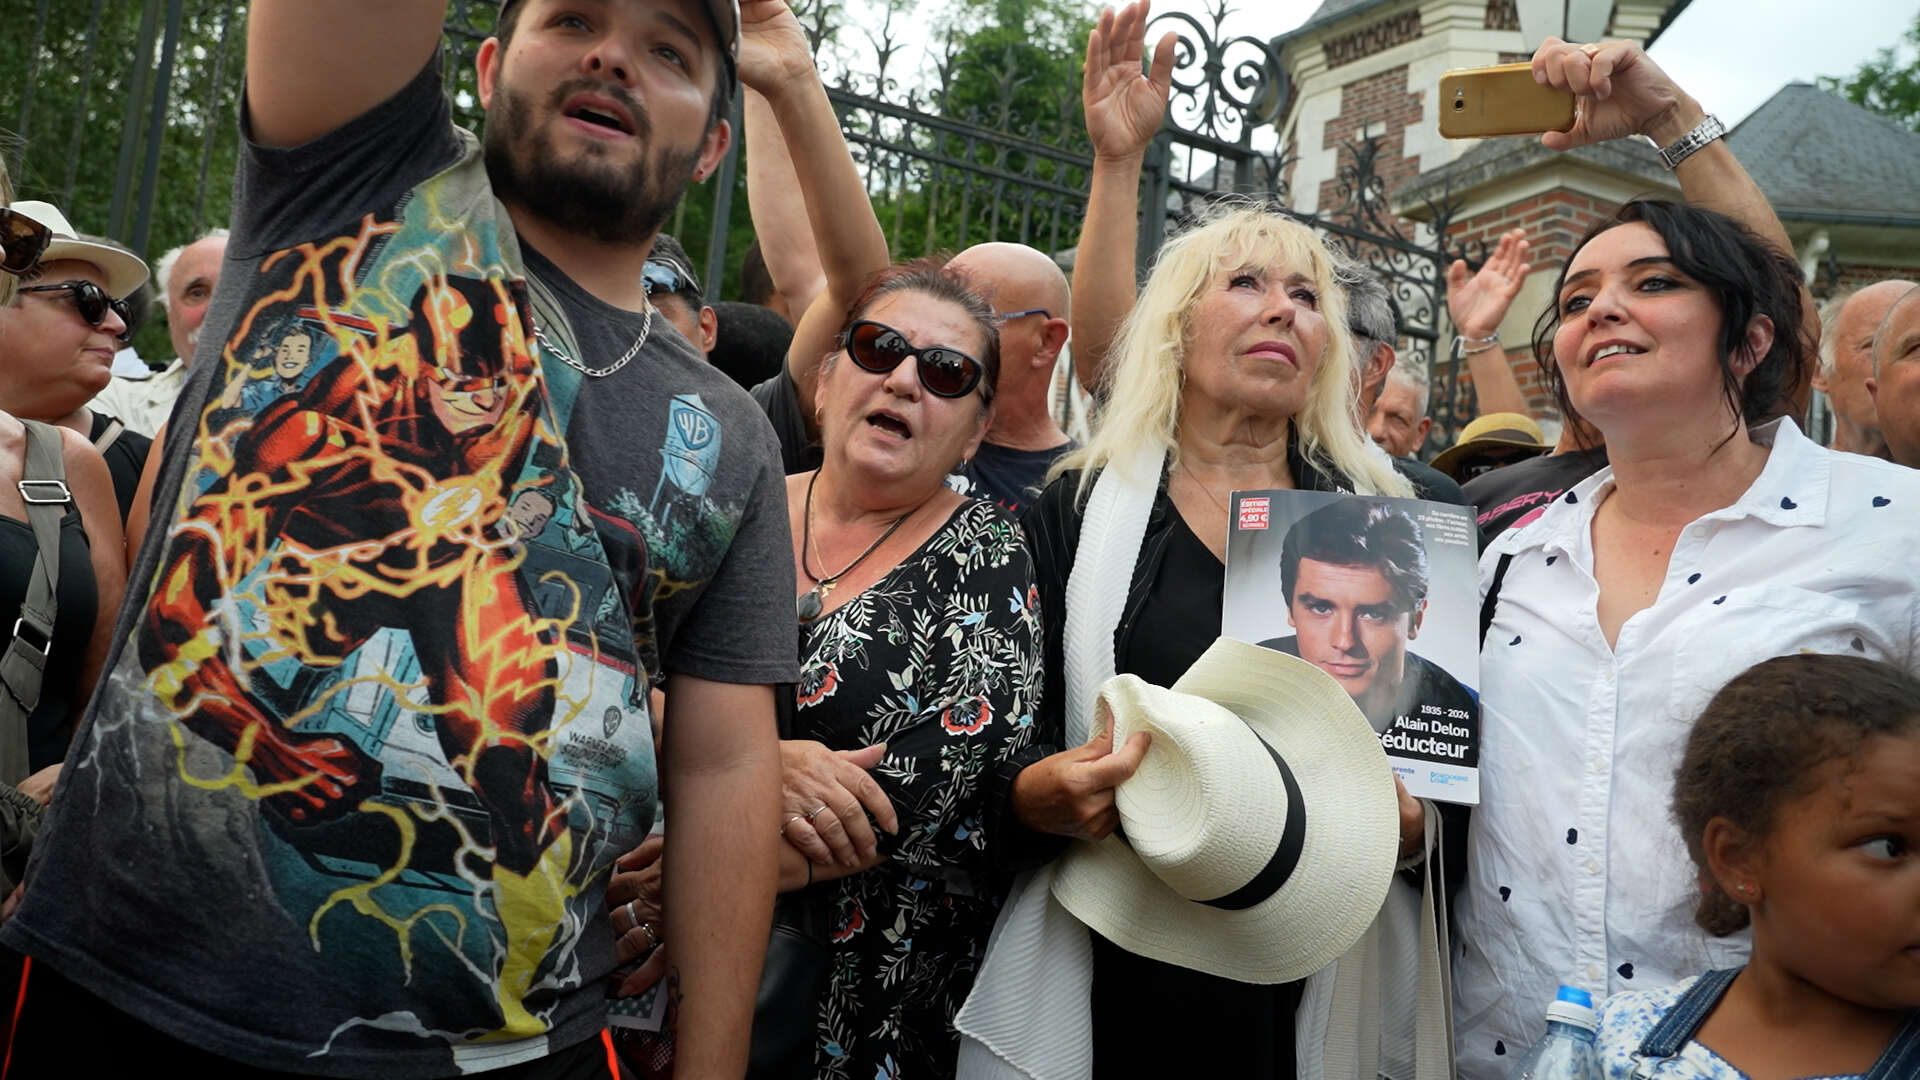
(598, 373)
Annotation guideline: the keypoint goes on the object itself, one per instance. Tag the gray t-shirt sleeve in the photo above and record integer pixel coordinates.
(743, 628)
(286, 195)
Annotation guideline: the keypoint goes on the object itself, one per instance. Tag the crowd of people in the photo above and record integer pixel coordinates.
(402, 680)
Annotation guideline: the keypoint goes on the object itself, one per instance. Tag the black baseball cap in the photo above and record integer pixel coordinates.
(725, 15)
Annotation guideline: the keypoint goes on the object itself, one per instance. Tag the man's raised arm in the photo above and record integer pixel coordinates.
(313, 65)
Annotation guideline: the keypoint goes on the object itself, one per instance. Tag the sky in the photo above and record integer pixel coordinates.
(1730, 54)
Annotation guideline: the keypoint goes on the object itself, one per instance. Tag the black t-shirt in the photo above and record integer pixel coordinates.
(125, 460)
(1001, 474)
(1515, 494)
(1430, 483)
(780, 399)
(76, 602)
(376, 723)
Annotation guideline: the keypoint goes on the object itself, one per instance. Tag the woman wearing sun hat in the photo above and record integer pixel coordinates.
(92, 571)
(61, 337)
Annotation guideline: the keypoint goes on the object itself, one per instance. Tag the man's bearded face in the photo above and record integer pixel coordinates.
(613, 191)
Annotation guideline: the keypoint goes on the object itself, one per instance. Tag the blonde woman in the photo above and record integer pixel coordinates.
(1234, 369)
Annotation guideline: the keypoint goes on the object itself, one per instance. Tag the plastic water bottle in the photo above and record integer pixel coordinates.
(1567, 1052)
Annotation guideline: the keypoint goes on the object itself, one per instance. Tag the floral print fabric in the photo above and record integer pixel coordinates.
(940, 660)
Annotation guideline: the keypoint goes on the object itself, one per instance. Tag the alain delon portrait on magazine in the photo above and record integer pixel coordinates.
(1382, 595)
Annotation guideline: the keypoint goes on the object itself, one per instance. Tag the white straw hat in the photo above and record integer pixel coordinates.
(1261, 830)
(125, 272)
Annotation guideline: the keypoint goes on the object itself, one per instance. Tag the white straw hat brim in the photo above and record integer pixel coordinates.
(124, 272)
(1346, 863)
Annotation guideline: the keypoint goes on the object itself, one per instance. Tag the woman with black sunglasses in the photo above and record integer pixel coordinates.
(59, 336)
(93, 571)
(919, 642)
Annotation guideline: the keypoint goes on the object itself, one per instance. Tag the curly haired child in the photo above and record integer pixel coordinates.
(1799, 798)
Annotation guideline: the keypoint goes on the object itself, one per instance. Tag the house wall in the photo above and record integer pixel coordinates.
(1376, 74)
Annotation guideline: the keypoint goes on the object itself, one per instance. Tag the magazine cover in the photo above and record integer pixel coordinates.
(1382, 594)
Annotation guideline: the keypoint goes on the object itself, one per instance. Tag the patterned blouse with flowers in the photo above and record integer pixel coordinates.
(940, 660)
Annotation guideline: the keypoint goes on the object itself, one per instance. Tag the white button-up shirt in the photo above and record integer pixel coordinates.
(1576, 872)
(143, 404)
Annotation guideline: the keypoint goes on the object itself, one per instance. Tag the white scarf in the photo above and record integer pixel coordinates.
(1029, 1015)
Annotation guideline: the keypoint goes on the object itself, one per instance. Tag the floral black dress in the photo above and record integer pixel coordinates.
(940, 660)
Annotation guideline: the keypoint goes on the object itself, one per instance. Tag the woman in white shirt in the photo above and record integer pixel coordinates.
(1712, 541)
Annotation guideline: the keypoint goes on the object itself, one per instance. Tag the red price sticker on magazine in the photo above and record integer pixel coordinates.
(1253, 513)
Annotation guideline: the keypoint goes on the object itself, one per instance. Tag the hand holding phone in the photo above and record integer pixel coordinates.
(1501, 100)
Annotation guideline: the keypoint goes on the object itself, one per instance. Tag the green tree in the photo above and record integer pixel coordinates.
(1889, 84)
(77, 105)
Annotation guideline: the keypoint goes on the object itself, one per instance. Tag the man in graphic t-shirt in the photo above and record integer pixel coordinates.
(367, 746)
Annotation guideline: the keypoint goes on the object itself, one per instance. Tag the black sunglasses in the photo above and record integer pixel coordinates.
(25, 240)
(879, 348)
(90, 300)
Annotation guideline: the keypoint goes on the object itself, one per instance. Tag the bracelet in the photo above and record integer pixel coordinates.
(1469, 346)
(1703, 133)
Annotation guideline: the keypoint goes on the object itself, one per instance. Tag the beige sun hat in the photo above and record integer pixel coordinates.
(1261, 829)
(125, 272)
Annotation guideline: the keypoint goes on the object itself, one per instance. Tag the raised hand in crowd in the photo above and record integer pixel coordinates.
(1478, 302)
(826, 797)
(1124, 107)
(1618, 91)
(1071, 793)
(774, 55)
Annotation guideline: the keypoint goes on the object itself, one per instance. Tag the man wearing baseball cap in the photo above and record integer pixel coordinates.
(369, 743)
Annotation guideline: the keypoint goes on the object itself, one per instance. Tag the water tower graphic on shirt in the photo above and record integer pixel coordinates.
(689, 455)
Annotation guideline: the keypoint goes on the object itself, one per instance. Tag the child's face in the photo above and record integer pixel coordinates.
(1839, 879)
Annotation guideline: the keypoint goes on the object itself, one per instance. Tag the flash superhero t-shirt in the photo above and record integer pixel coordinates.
(375, 724)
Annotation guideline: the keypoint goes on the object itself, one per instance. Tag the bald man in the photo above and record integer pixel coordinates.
(1894, 382)
(1030, 294)
(1846, 363)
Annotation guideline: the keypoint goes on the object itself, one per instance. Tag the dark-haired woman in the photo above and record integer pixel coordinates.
(1715, 539)
(920, 674)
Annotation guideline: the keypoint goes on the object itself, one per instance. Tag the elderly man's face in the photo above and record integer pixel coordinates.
(1895, 385)
(1398, 422)
(1352, 626)
(190, 290)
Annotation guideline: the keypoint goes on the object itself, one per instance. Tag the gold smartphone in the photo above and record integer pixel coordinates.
(1500, 100)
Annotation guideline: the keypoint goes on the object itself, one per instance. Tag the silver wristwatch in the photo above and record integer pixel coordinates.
(1692, 142)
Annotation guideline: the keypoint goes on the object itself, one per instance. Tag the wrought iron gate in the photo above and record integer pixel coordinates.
(127, 112)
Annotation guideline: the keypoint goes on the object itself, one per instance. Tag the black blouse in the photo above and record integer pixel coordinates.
(1171, 617)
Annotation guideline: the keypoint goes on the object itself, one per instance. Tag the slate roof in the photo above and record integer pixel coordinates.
(1328, 11)
(1820, 157)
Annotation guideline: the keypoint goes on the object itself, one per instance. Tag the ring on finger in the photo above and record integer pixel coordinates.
(653, 939)
(791, 820)
(817, 811)
(633, 916)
